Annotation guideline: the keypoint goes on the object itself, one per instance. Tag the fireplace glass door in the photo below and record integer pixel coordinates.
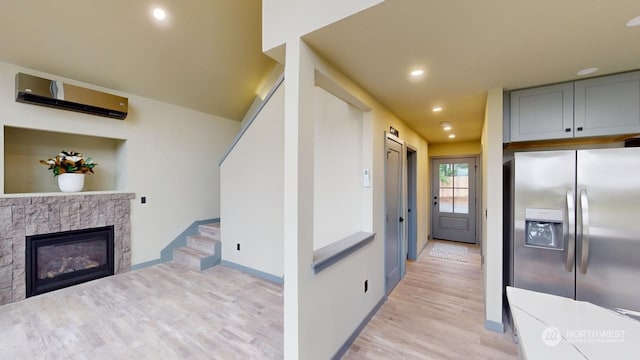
(63, 259)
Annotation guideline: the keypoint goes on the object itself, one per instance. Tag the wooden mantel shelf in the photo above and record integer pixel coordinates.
(123, 194)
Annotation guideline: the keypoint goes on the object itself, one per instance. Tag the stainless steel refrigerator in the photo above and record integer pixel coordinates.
(576, 225)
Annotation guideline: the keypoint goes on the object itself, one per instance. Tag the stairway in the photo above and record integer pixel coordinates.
(202, 250)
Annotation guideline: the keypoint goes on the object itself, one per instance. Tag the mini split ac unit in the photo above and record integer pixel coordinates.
(56, 94)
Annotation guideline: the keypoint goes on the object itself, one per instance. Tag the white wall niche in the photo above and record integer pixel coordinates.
(24, 148)
(338, 185)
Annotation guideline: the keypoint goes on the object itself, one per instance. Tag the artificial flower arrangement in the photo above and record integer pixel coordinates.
(70, 162)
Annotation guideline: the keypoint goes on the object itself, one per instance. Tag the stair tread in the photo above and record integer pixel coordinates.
(192, 252)
(202, 250)
(204, 238)
(204, 243)
(211, 231)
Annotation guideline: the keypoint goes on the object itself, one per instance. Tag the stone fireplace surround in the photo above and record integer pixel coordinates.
(24, 215)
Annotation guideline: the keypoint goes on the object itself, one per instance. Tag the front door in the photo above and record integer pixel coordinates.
(393, 191)
(454, 194)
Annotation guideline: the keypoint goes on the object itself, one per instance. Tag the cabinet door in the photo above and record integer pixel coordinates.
(542, 113)
(608, 105)
(506, 118)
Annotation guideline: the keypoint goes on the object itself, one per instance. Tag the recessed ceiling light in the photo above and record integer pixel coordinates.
(417, 73)
(437, 109)
(452, 136)
(159, 14)
(634, 22)
(446, 126)
(587, 71)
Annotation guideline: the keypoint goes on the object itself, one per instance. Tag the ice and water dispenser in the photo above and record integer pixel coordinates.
(544, 228)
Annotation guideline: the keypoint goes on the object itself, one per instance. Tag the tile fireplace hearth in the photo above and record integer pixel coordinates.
(32, 215)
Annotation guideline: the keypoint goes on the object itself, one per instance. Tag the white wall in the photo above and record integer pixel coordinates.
(492, 204)
(262, 91)
(338, 185)
(283, 18)
(455, 148)
(170, 156)
(322, 310)
(252, 182)
(251, 186)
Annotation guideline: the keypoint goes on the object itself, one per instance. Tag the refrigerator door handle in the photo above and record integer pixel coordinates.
(569, 240)
(584, 231)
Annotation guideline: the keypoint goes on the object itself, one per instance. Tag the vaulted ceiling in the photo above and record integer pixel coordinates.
(207, 54)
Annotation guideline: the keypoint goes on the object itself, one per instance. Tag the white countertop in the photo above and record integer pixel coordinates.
(554, 327)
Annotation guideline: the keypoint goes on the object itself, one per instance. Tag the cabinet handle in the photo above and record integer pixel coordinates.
(579, 129)
(567, 130)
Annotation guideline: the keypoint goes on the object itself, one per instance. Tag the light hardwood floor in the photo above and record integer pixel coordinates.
(435, 312)
(169, 312)
(161, 312)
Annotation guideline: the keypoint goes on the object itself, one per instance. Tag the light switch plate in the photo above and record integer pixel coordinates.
(367, 178)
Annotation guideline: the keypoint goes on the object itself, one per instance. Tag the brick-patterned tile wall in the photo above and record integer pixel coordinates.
(25, 216)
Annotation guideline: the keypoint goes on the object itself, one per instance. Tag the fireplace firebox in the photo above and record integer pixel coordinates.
(58, 260)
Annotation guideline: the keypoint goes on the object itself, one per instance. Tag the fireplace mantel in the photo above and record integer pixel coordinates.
(128, 195)
(24, 215)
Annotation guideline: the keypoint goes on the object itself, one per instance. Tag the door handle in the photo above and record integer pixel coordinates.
(401, 219)
(584, 231)
(569, 225)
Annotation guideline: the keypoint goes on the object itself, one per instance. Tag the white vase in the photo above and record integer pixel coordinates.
(70, 182)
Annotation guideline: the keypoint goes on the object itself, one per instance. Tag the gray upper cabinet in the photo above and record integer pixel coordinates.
(608, 105)
(542, 113)
(506, 113)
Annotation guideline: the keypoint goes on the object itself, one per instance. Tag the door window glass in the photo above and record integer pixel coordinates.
(446, 199)
(454, 188)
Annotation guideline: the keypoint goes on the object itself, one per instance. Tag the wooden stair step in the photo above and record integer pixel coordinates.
(202, 243)
(194, 259)
(211, 230)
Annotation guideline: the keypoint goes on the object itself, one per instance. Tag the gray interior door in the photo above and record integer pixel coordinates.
(412, 204)
(454, 199)
(393, 191)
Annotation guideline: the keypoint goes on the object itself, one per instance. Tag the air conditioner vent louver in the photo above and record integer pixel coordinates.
(39, 91)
